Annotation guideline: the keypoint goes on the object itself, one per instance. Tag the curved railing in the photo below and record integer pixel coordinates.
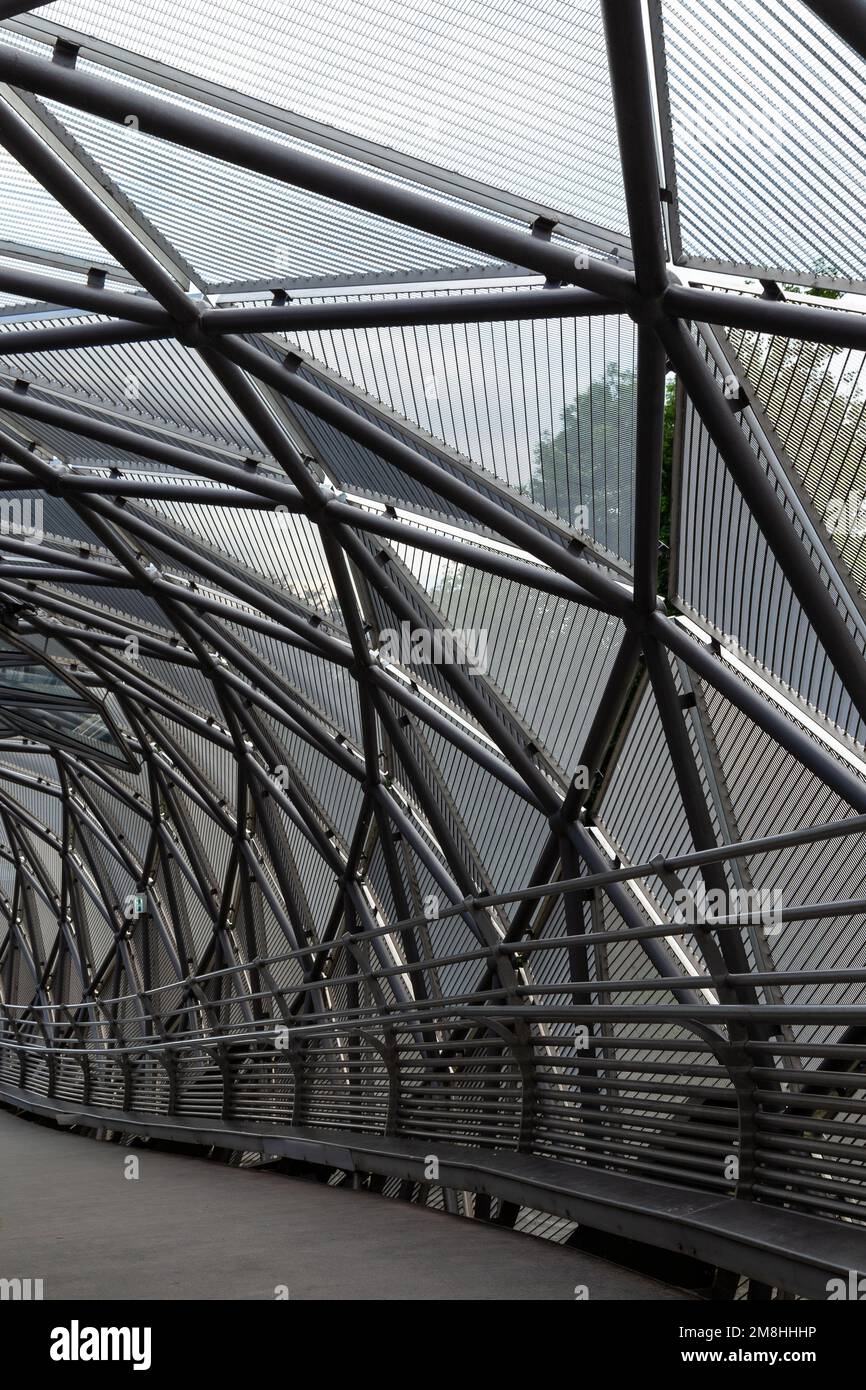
(697, 1095)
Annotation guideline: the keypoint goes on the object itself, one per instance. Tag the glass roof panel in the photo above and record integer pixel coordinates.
(514, 94)
(246, 226)
(725, 573)
(35, 700)
(768, 137)
(33, 222)
(547, 405)
(814, 397)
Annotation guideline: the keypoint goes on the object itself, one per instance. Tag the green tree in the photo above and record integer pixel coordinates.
(820, 267)
(588, 463)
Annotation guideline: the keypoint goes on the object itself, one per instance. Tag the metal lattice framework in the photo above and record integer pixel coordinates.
(260, 866)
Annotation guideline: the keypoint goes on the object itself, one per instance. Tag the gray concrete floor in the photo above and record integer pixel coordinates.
(188, 1228)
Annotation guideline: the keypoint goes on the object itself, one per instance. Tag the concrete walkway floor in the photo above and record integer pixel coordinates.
(189, 1228)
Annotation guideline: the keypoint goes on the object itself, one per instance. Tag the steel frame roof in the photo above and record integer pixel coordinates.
(221, 560)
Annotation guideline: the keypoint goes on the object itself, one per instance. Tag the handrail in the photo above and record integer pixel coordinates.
(488, 1076)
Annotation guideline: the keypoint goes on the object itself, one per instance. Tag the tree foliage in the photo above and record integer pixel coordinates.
(588, 463)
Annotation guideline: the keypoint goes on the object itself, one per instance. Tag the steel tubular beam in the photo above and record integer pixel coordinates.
(596, 864)
(464, 552)
(66, 337)
(630, 81)
(469, 693)
(592, 756)
(139, 489)
(477, 306)
(630, 84)
(835, 327)
(693, 799)
(610, 709)
(477, 919)
(490, 307)
(479, 752)
(261, 481)
(269, 604)
(71, 293)
(649, 432)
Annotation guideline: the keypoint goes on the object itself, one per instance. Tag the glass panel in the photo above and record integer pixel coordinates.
(516, 95)
(768, 134)
(35, 699)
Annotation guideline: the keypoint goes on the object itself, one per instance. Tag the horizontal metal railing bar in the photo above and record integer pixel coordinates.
(245, 1060)
(818, 1013)
(424, 1011)
(655, 984)
(856, 1081)
(811, 1178)
(433, 1122)
(446, 1137)
(814, 1143)
(588, 884)
(616, 1068)
(625, 1156)
(632, 1107)
(850, 1207)
(650, 984)
(410, 1061)
(432, 1106)
(460, 1094)
(648, 869)
(809, 1184)
(661, 1171)
(656, 1166)
(816, 1105)
(856, 1051)
(657, 1127)
(844, 1129)
(705, 1159)
(628, 1042)
(143, 1047)
(633, 1092)
(800, 912)
(770, 1163)
(757, 977)
(601, 1136)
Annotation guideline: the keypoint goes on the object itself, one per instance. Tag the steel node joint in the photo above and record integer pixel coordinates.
(190, 332)
(646, 310)
(558, 823)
